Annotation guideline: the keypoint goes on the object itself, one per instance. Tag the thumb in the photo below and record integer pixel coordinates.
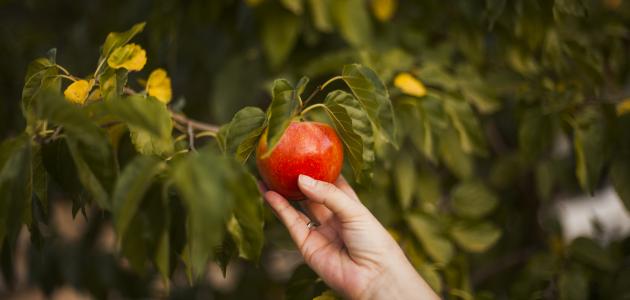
(330, 196)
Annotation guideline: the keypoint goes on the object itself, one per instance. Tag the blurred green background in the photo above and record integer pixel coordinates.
(524, 109)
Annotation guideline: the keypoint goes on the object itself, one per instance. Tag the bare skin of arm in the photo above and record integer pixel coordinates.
(350, 250)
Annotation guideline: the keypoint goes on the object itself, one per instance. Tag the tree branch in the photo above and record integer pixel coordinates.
(183, 120)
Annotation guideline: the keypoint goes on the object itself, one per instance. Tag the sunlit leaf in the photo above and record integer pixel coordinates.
(410, 85)
(383, 10)
(159, 85)
(117, 39)
(456, 160)
(623, 107)
(77, 92)
(295, 6)
(131, 57)
(439, 248)
(373, 96)
(475, 238)
(354, 128)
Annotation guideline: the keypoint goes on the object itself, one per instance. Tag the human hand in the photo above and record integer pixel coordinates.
(350, 250)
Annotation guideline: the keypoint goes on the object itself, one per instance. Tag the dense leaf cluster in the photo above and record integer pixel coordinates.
(498, 109)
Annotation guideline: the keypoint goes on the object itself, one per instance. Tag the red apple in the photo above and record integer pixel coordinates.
(309, 148)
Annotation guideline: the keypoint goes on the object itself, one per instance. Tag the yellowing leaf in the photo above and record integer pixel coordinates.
(383, 10)
(159, 85)
(78, 91)
(623, 107)
(131, 57)
(410, 85)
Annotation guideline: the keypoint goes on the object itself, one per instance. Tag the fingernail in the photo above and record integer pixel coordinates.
(306, 181)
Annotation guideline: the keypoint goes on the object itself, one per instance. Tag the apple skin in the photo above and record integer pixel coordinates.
(309, 148)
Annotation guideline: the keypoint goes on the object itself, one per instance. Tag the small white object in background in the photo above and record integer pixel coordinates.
(578, 215)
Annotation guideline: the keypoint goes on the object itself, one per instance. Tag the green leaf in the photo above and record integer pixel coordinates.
(591, 148)
(471, 136)
(202, 179)
(328, 295)
(429, 234)
(40, 177)
(112, 82)
(475, 238)
(589, 252)
(239, 137)
(132, 184)
(15, 175)
(321, 15)
(370, 91)
(456, 160)
(295, 6)
(279, 32)
(149, 123)
(472, 199)
(573, 285)
(432, 277)
(535, 133)
(225, 252)
(247, 225)
(303, 284)
(142, 113)
(284, 107)
(354, 128)
(117, 39)
(620, 177)
(353, 21)
(41, 74)
(88, 144)
(405, 176)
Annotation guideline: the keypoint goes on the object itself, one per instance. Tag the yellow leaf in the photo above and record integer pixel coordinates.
(131, 57)
(623, 107)
(409, 85)
(383, 10)
(159, 85)
(78, 91)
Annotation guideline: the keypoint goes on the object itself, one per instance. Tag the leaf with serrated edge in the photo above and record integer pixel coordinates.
(354, 127)
(284, 106)
(373, 96)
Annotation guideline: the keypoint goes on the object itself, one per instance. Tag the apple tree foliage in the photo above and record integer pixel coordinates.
(462, 124)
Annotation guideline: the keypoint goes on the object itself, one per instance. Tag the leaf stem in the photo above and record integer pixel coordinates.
(62, 69)
(206, 133)
(67, 77)
(321, 88)
(330, 81)
(312, 107)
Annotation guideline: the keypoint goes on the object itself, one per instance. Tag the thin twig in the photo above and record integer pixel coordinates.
(183, 120)
(54, 136)
(191, 137)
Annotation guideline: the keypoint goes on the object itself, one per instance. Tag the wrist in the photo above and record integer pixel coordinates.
(398, 280)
